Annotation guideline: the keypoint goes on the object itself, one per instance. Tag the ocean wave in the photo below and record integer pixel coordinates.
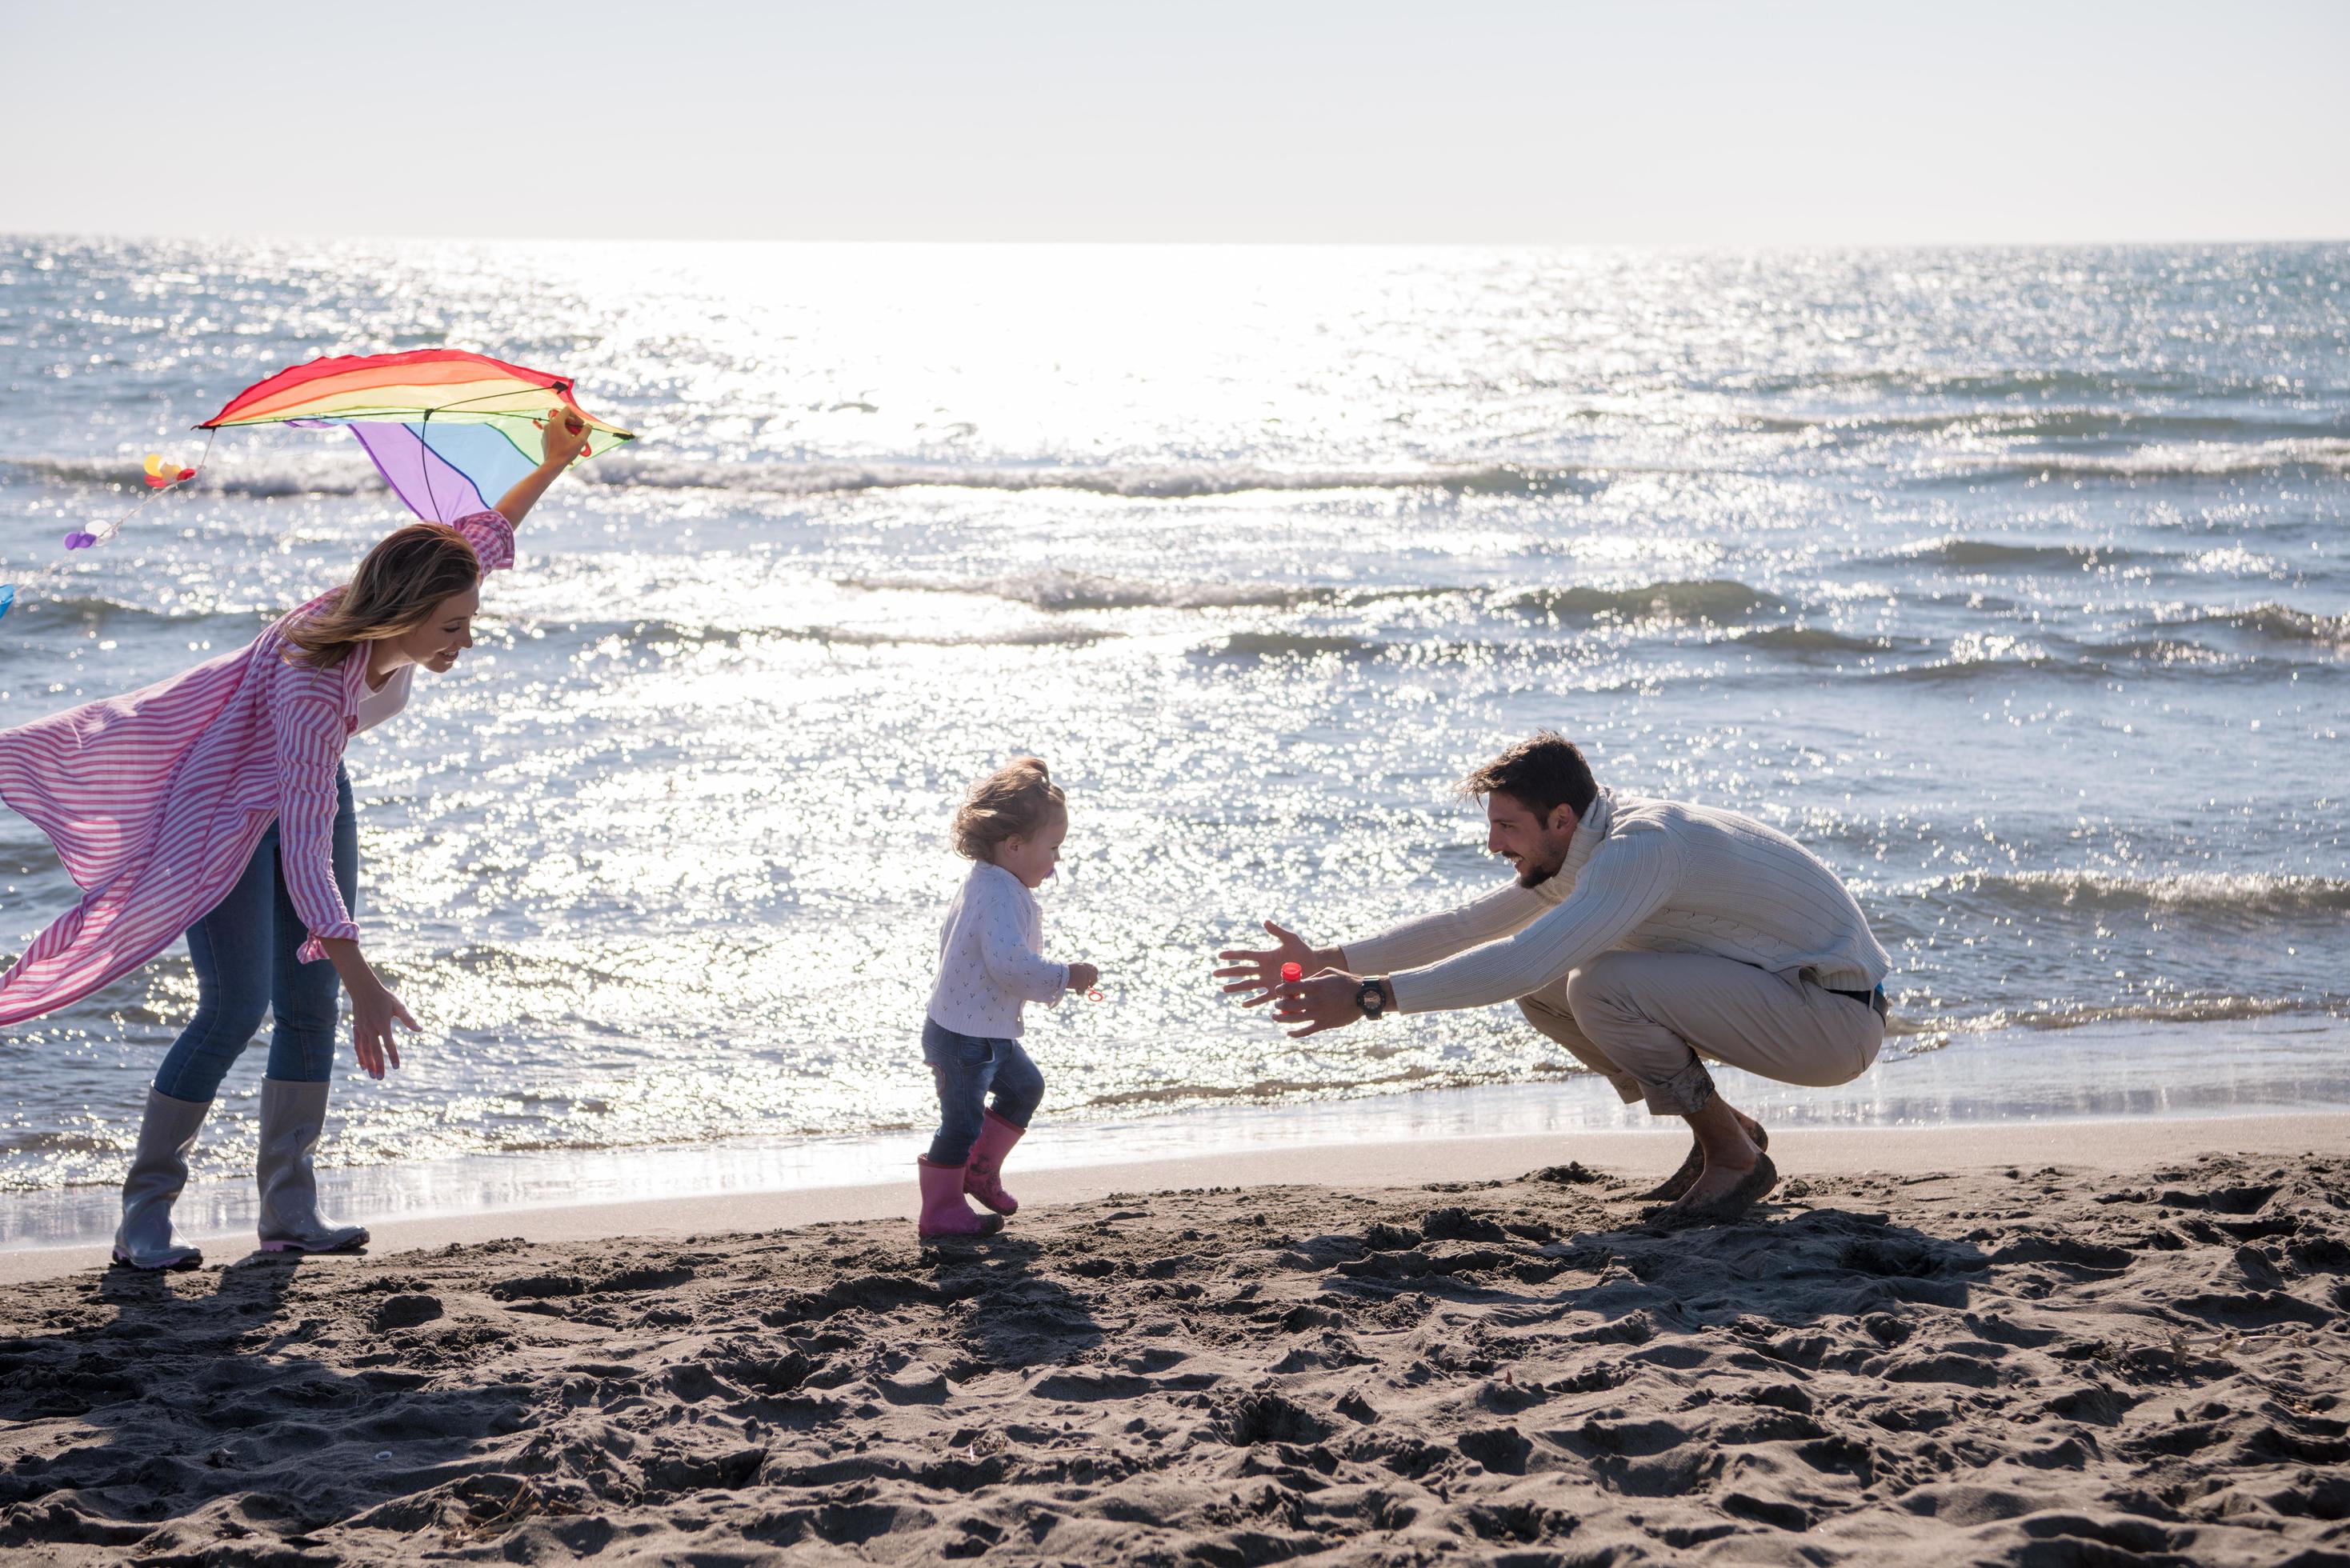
(655, 633)
(1066, 590)
(2182, 1009)
(92, 613)
(2009, 381)
(1137, 481)
(1713, 601)
(2279, 623)
(2167, 652)
(2233, 893)
(318, 473)
(1708, 601)
(2185, 459)
(340, 472)
(2032, 424)
(1993, 554)
(1807, 639)
(1957, 670)
(1289, 645)
(1023, 636)
(1968, 660)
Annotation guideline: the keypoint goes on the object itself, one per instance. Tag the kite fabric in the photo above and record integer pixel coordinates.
(451, 432)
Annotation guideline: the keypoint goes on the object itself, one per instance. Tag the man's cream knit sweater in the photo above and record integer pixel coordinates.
(1643, 874)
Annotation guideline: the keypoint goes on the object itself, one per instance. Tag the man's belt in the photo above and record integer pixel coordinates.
(1874, 999)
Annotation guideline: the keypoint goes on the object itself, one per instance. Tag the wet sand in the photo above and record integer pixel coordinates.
(2094, 1346)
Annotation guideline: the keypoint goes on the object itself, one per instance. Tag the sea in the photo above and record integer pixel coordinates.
(2013, 582)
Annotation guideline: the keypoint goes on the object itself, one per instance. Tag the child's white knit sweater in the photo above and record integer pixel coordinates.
(990, 959)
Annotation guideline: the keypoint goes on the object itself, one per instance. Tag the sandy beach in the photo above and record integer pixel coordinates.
(2115, 1342)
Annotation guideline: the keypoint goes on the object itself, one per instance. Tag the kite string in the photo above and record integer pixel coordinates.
(100, 535)
(8, 589)
(424, 440)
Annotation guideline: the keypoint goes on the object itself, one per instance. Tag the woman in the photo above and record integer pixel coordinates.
(215, 804)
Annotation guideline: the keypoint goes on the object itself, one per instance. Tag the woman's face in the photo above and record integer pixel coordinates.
(447, 632)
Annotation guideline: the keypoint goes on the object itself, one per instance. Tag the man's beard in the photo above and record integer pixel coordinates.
(1530, 875)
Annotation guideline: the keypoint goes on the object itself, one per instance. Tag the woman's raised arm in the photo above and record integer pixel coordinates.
(565, 440)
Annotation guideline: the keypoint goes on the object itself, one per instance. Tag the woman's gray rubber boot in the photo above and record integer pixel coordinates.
(158, 1169)
(292, 1116)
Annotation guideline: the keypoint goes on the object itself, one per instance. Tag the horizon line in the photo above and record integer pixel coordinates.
(314, 236)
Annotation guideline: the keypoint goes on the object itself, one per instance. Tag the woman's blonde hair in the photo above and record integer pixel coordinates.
(1013, 801)
(393, 592)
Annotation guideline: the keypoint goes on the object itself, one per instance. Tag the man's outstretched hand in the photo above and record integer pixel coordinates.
(1323, 1000)
(1258, 969)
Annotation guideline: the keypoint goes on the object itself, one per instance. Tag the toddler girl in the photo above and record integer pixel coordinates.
(989, 966)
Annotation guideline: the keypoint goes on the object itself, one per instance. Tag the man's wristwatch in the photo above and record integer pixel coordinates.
(1372, 998)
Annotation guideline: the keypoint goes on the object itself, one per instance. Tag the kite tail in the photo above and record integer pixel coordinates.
(82, 539)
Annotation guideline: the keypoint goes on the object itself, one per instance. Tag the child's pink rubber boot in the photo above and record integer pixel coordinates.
(944, 1213)
(982, 1177)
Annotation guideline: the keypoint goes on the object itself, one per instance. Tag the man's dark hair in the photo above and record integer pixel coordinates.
(1543, 774)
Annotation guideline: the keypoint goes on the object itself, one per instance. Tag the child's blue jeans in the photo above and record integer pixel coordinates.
(242, 951)
(966, 1067)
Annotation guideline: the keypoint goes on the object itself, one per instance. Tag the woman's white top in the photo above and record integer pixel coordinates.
(377, 703)
(990, 958)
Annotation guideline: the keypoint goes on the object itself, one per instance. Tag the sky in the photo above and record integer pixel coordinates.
(1445, 121)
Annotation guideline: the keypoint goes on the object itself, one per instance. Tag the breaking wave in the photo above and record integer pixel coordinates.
(2178, 460)
(1138, 481)
(1713, 601)
(317, 473)
(1066, 590)
(2240, 894)
(1993, 554)
(2279, 623)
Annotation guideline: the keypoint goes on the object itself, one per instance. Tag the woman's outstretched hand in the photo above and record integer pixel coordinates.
(374, 1010)
(566, 436)
(1259, 970)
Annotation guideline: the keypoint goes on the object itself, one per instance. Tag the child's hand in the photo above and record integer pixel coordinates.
(1083, 977)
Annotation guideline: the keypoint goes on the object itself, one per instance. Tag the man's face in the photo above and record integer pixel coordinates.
(1536, 846)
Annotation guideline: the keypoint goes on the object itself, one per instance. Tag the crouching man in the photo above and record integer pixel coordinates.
(1638, 934)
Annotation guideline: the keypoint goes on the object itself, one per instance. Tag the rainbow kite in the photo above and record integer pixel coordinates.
(451, 432)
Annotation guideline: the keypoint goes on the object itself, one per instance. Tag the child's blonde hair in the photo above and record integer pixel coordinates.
(1013, 801)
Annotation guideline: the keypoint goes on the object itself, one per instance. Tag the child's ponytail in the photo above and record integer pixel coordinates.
(1013, 802)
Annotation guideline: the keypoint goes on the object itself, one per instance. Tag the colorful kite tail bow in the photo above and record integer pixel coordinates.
(451, 432)
(161, 475)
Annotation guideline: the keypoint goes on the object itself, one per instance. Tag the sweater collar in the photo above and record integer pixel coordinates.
(1589, 833)
(981, 871)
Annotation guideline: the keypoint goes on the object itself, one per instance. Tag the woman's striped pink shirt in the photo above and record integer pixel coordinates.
(156, 800)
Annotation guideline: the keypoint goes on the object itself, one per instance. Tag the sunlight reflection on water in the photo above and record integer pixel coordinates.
(1981, 571)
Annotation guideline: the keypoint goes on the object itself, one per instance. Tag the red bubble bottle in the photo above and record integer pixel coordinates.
(1292, 971)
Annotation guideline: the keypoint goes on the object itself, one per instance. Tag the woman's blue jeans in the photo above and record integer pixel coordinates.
(966, 1068)
(243, 955)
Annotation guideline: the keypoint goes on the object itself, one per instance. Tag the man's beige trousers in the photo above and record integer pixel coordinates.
(1640, 1019)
